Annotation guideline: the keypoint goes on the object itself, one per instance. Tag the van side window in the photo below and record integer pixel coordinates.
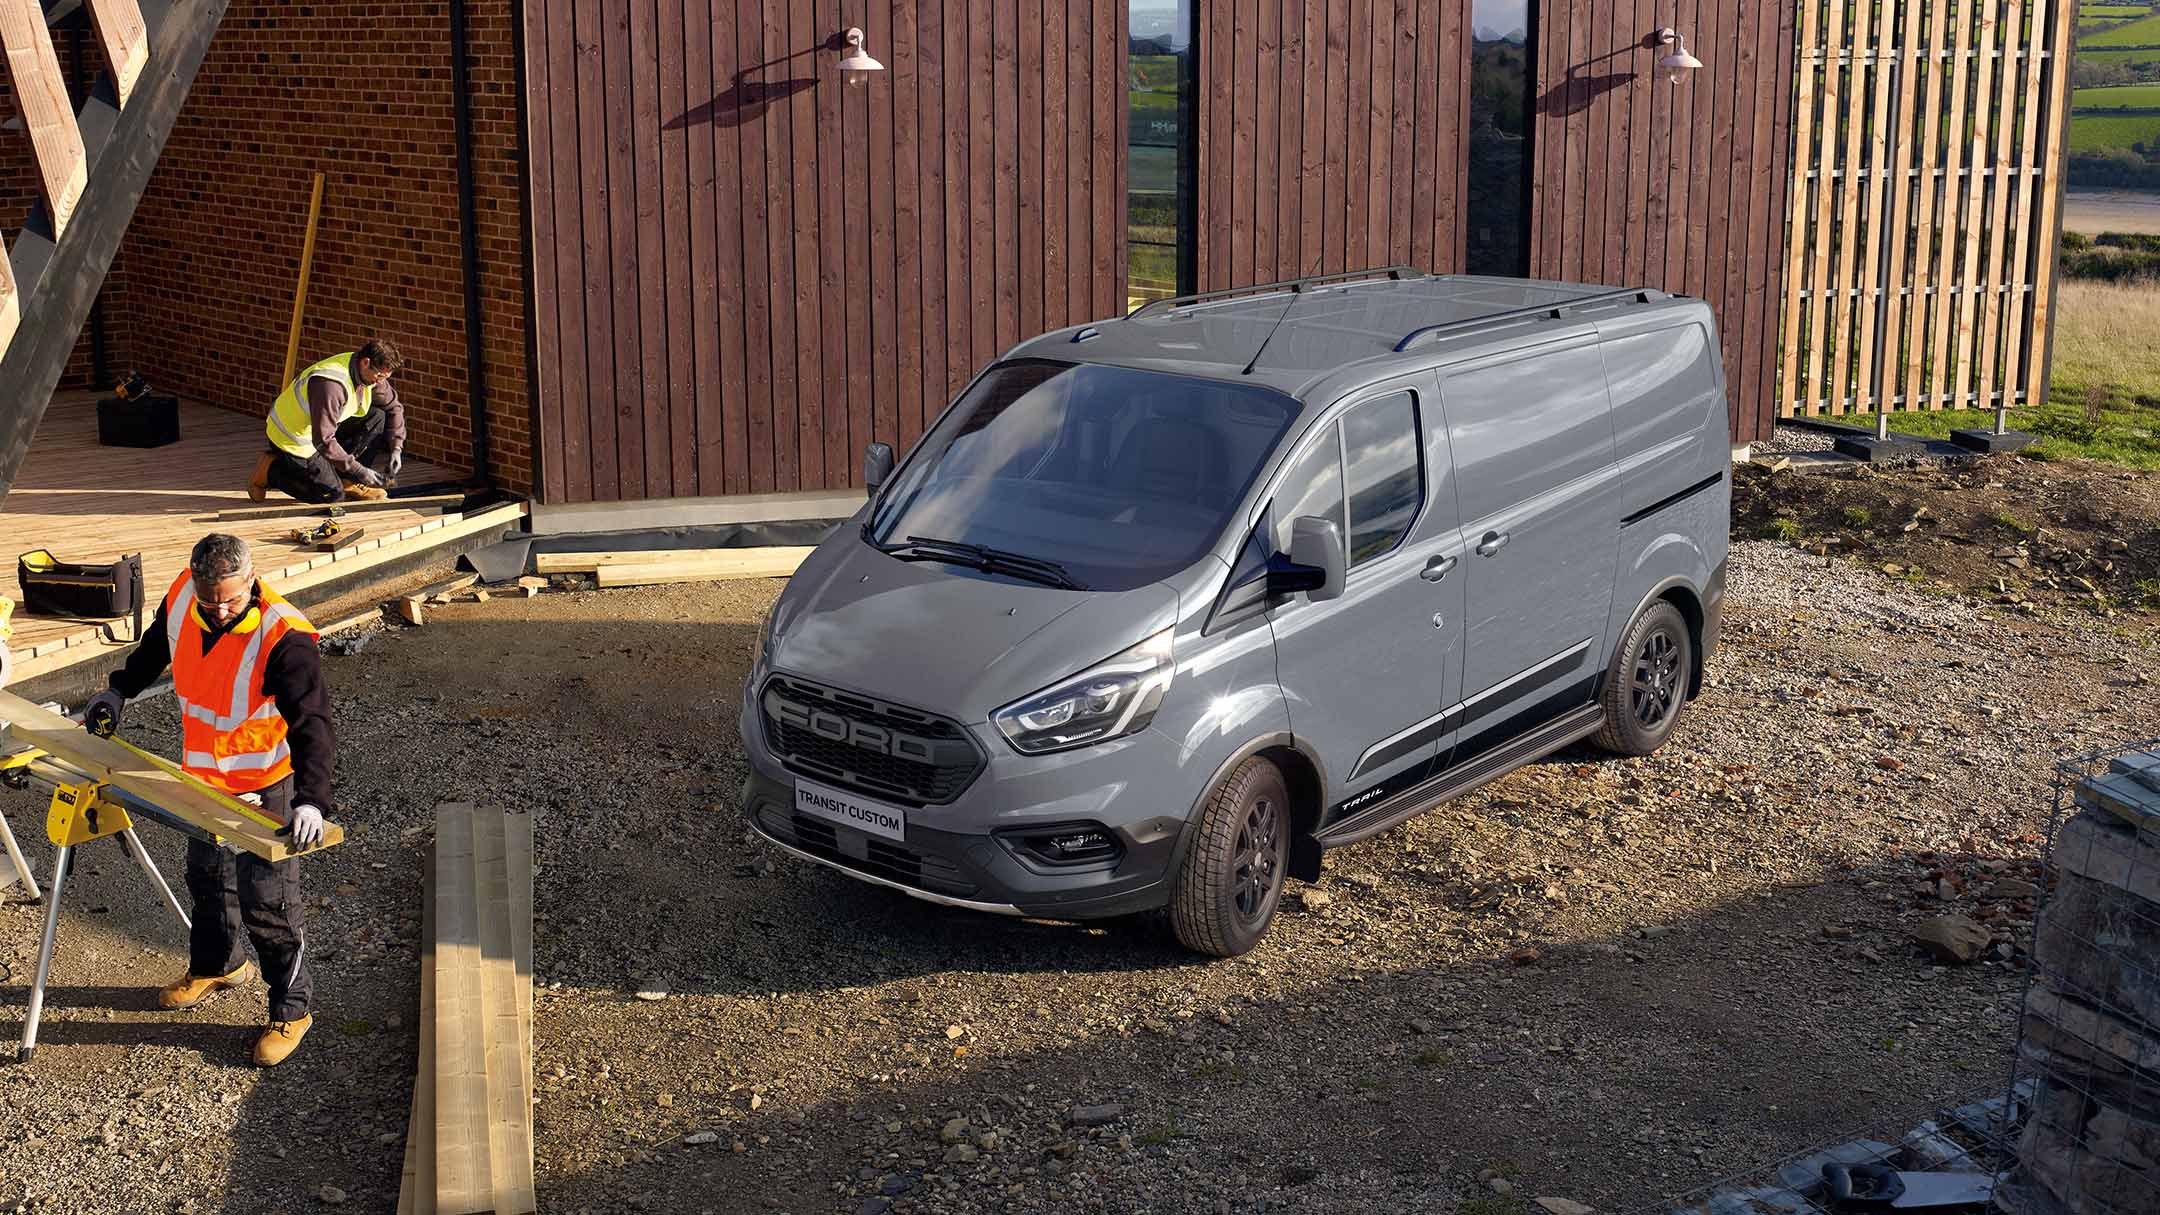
(1313, 486)
(1381, 461)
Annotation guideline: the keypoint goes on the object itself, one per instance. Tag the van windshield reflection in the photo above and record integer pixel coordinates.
(1082, 475)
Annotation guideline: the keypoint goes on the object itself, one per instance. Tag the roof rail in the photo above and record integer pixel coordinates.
(1433, 333)
(1291, 286)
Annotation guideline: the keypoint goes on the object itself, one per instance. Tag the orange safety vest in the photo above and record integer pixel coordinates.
(232, 736)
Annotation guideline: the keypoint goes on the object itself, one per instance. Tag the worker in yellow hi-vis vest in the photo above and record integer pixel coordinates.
(336, 431)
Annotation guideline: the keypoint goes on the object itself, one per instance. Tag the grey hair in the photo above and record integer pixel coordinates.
(218, 556)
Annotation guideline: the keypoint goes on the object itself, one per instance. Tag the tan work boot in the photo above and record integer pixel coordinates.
(366, 493)
(190, 990)
(280, 1040)
(259, 480)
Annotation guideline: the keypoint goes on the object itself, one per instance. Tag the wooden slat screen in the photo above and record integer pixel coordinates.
(1330, 137)
(1925, 191)
(1640, 181)
(744, 269)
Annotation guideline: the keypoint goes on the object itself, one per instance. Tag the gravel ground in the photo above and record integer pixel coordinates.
(1790, 440)
(1603, 980)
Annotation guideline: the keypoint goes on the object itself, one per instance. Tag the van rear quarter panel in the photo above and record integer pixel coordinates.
(1670, 421)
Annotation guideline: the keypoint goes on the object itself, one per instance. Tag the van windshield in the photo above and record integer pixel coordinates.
(1115, 477)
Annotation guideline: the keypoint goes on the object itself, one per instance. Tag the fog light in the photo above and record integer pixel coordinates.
(1066, 846)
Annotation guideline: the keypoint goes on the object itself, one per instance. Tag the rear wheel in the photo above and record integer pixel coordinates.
(1232, 875)
(1647, 685)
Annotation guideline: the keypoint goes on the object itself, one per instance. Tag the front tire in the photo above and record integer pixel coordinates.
(1648, 683)
(1232, 876)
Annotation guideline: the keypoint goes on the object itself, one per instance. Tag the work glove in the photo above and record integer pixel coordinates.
(363, 475)
(306, 827)
(102, 715)
(397, 462)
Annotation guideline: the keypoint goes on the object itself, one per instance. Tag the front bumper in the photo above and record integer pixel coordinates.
(967, 853)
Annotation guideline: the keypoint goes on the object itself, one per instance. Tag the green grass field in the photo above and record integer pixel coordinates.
(2128, 59)
(2089, 131)
(2145, 31)
(2103, 346)
(2118, 97)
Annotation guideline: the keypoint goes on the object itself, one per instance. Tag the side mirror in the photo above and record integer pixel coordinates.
(1318, 562)
(877, 464)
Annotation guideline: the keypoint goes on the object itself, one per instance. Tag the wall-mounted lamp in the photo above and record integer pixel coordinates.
(856, 65)
(1679, 60)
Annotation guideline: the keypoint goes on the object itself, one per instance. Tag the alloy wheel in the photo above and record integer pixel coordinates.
(1256, 866)
(1656, 690)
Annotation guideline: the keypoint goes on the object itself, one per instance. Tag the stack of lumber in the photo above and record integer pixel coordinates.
(469, 1144)
(2091, 1029)
(646, 567)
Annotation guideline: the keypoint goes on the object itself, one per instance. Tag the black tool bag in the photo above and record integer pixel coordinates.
(53, 587)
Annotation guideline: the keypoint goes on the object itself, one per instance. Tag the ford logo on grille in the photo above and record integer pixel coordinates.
(829, 725)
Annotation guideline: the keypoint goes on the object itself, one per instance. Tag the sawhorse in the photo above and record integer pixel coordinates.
(81, 810)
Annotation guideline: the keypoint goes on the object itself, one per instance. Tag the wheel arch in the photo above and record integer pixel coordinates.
(1684, 595)
(1303, 774)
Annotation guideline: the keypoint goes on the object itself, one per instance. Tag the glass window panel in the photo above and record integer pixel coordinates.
(1500, 97)
(1380, 459)
(1159, 149)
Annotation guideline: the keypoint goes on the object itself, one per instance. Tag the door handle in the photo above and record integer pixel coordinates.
(1437, 568)
(1492, 543)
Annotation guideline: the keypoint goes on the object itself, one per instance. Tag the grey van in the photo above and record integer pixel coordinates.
(1162, 607)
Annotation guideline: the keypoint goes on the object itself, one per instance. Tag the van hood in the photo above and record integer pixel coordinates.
(945, 638)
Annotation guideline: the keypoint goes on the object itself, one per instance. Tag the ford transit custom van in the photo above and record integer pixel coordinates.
(1162, 607)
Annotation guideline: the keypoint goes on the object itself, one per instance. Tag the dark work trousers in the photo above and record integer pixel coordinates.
(236, 891)
(314, 479)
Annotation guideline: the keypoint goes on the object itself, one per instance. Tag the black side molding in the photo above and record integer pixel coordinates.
(1662, 503)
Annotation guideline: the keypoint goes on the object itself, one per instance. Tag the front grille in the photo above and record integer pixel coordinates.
(888, 860)
(949, 759)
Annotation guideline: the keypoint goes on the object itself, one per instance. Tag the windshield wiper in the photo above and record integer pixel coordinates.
(985, 558)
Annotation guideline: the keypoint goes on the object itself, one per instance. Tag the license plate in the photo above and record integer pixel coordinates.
(850, 810)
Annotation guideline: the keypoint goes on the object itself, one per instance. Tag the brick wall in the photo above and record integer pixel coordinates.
(361, 92)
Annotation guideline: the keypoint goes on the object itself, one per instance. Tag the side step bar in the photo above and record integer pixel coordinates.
(1464, 777)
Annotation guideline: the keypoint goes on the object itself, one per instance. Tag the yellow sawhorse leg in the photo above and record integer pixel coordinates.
(79, 814)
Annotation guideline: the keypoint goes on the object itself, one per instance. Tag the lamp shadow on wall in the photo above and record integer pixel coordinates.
(1580, 86)
(746, 100)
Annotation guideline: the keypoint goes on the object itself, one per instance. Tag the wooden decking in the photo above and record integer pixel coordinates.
(89, 503)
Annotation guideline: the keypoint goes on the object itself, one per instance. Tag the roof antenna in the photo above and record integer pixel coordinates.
(1297, 291)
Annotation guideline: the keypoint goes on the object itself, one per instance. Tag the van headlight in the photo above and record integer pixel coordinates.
(1109, 700)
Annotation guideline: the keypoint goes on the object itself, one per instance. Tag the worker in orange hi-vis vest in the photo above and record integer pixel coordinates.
(255, 723)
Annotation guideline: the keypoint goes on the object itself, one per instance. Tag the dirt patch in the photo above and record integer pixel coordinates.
(2014, 531)
(1597, 979)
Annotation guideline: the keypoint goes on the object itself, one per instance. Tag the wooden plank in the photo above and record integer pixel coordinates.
(501, 1030)
(463, 1143)
(1926, 244)
(1783, 40)
(421, 504)
(1902, 190)
(625, 476)
(2052, 168)
(1111, 66)
(1267, 145)
(518, 849)
(1857, 76)
(41, 94)
(120, 32)
(2019, 309)
(1976, 181)
(1872, 302)
(652, 394)
(1720, 266)
(720, 558)
(153, 779)
(780, 235)
(346, 565)
(589, 428)
(416, 1188)
(715, 247)
(10, 305)
(2003, 179)
(1819, 390)
(1942, 351)
(658, 572)
(910, 205)
(548, 247)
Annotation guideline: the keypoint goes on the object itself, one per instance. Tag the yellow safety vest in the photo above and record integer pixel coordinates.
(291, 427)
